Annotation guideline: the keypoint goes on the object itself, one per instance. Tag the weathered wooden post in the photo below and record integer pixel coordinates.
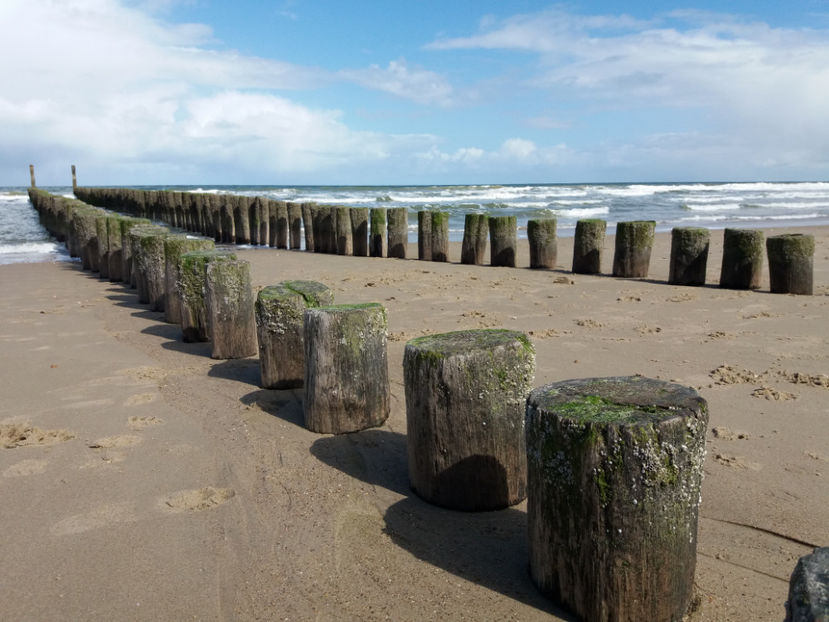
(809, 588)
(634, 241)
(231, 326)
(345, 243)
(280, 330)
(359, 231)
(325, 232)
(84, 219)
(263, 209)
(115, 254)
(439, 229)
(241, 218)
(74, 179)
(174, 247)
(148, 258)
(742, 259)
(614, 467)
(103, 244)
(541, 234)
(127, 272)
(228, 219)
(32, 175)
(377, 239)
(465, 395)
(192, 271)
(308, 225)
(346, 368)
(295, 225)
(280, 226)
(503, 233)
(424, 235)
(791, 263)
(475, 232)
(588, 245)
(398, 235)
(689, 255)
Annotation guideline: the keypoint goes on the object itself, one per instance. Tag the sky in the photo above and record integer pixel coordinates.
(296, 92)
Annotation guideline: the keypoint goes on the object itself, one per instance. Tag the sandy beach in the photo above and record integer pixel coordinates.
(143, 480)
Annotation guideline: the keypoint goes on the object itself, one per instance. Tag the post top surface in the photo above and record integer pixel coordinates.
(462, 341)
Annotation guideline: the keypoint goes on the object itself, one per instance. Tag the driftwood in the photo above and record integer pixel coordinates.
(346, 368)
(465, 394)
(614, 467)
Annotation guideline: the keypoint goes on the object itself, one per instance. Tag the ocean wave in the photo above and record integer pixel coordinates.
(585, 212)
(712, 207)
(28, 247)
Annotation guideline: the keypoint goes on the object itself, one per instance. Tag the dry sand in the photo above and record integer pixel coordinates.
(142, 480)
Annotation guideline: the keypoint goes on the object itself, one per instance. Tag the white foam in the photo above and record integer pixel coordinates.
(582, 212)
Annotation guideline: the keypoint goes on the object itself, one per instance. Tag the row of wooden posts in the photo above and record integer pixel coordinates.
(379, 232)
(611, 467)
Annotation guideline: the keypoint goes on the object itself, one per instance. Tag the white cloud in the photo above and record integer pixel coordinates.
(419, 85)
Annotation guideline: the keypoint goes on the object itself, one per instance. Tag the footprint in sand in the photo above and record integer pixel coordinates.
(102, 516)
(770, 393)
(196, 500)
(116, 442)
(24, 434)
(738, 462)
(141, 423)
(25, 467)
(140, 398)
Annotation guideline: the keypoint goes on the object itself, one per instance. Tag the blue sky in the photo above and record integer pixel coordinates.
(418, 92)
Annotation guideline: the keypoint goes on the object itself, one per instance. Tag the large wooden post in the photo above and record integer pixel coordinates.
(377, 239)
(345, 242)
(791, 263)
(127, 272)
(439, 230)
(689, 255)
(398, 235)
(280, 330)
(742, 259)
(503, 232)
(150, 264)
(115, 254)
(346, 368)
(424, 235)
(231, 326)
(614, 467)
(103, 244)
(588, 245)
(308, 225)
(174, 247)
(295, 225)
(475, 232)
(634, 241)
(359, 231)
(465, 394)
(192, 271)
(541, 234)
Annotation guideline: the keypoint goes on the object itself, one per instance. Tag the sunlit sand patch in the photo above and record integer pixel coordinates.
(196, 500)
(25, 467)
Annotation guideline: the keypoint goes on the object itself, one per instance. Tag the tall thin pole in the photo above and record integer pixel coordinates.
(32, 175)
(74, 179)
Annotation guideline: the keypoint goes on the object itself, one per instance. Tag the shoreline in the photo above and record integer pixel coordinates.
(186, 490)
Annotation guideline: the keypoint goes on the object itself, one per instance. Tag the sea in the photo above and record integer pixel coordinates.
(710, 205)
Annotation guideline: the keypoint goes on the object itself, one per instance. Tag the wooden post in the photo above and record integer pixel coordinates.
(742, 259)
(424, 235)
(475, 232)
(465, 394)
(263, 211)
(32, 175)
(231, 326)
(253, 219)
(346, 368)
(295, 225)
(74, 179)
(377, 239)
(398, 233)
(634, 241)
(809, 588)
(84, 219)
(279, 327)
(503, 233)
(308, 225)
(228, 219)
(174, 247)
(115, 255)
(588, 245)
(342, 217)
(192, 273)
(103, 244)
(241, 218)
(541, 234)
(614, 467)
(689, 255)
(791, 263)
(359, 231)
(280, 227)
(126, 224)
(440, 236)
(150, 265)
